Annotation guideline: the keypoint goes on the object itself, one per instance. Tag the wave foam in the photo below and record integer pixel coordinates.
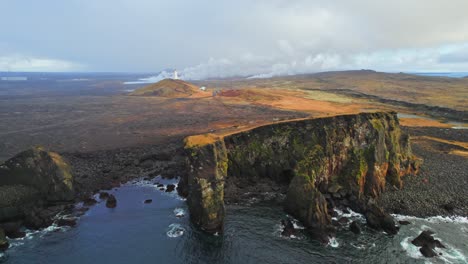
(175, 230)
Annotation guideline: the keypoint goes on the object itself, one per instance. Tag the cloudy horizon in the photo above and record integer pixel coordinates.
(205, 39)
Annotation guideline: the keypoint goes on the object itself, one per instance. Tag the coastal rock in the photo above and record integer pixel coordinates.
(288, 228)
(3, 241)
(348, 156)
(380, 220)
(47, 172)
(103, 195)
(89, 201)
(111, 201)
(12, 229)
(170, 188)
(148, 201)
(71, 222)
(404, 222)
(355, 228)
(428, 243)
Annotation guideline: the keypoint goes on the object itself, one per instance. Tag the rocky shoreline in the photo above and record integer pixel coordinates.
(440, 187)
(441, 177)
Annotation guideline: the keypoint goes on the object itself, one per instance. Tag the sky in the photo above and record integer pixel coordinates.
(211, 39)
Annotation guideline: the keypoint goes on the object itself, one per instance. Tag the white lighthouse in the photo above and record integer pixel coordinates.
(176, 76)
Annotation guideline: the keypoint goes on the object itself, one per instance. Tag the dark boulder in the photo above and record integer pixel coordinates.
(170, 188)
(3, 241)
(427, 252)
(288, 228)
(111, 201)
(89, 201)
(103, 195)
(426, 241)
(12, 229)
(71, 222)
(404, 222)
(378, 219)
(343, 220)
(449, 207)
(148, 201)
(355, 228)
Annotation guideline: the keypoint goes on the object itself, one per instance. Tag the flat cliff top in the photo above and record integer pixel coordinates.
(209, 138)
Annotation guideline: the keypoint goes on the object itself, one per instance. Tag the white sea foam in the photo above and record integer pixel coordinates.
(179, 212)
(333, 243)
(175, 230)
(352, 215)
(411, 250)
(434, 219)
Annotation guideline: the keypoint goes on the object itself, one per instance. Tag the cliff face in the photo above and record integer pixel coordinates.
(354, 154)
(31, 177)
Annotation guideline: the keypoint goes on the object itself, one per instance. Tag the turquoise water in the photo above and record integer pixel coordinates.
(135, 232)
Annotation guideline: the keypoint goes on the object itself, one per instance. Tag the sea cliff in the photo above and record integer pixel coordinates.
(323, 161)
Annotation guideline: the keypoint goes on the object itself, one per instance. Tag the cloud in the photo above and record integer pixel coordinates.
(227, 38)
(32, 64)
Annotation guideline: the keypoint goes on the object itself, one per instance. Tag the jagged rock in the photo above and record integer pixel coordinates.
(89, 201)
(426, 241)
(12, 229)
(427, 252)
(111, 201)
(71, 222)
(355, 228)
(3, 241)
(380, 220)
(103, 195)
(170, 188)
(404, 222)
(288, 228)
(343, 220)
(349, 156)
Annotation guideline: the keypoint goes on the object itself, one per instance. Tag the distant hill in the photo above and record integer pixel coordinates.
(168, 88)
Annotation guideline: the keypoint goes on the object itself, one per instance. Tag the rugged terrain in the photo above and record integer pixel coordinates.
(109, 137)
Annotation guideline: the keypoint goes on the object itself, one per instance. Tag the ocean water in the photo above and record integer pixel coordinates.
(160, 232)
(442, 74)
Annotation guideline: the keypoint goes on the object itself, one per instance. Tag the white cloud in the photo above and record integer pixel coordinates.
(31, 64)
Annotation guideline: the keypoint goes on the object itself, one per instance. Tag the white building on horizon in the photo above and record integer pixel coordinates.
(176, 76)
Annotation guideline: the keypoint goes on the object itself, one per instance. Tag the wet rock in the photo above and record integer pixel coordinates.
(148, 201)
(12, 229)
(111, 201)
(449, 207)
(3, 241)
(427, 252)
(160, 185)
(170, 188)
(89, 201)
(288, 228)
(103, 195)
(355, 228)
(426, 241)
(161, 189)
(378, 219)
(346, 211)
(343, 220)
(71, 222)
(404, 222)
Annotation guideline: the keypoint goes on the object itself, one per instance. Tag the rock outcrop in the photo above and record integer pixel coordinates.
(343, 156)
(33, 178)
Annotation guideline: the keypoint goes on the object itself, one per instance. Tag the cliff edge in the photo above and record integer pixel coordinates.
(323, 162)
